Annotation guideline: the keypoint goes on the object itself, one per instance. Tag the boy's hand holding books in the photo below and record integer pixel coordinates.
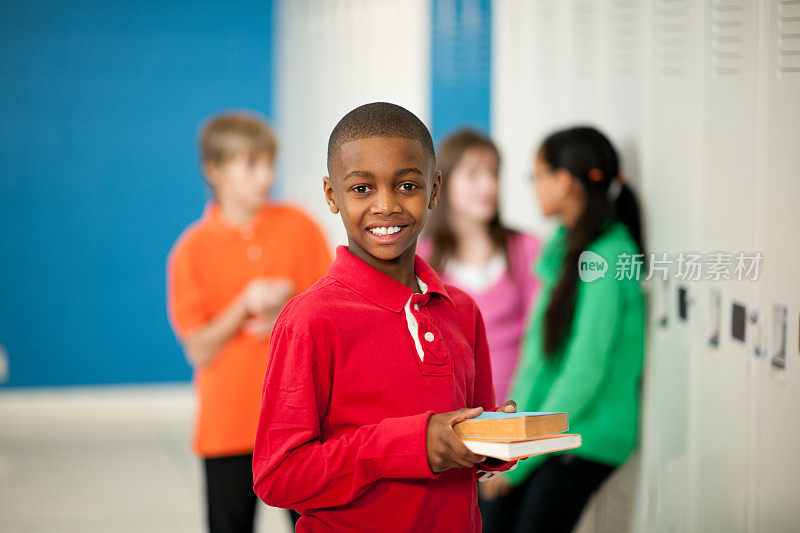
(509, 437)
(445, 448)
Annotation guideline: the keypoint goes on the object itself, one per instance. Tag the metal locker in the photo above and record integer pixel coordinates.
(776, 399)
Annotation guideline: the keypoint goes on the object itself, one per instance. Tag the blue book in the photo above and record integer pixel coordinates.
(486, 415)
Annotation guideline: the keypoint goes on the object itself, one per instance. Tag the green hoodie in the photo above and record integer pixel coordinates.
(595, 375)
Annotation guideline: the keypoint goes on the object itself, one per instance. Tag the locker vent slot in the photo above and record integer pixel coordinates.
(788, 60)
(727, 38)
(671, 36)
(545, 35)
(584, 44)
(625, 38)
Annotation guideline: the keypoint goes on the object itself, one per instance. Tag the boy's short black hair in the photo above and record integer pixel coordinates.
(380, 119)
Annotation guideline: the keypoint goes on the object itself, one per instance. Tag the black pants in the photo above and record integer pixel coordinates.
(550, 501)
(230, 500)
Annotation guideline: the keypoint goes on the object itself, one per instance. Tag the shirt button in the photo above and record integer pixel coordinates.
(254, 252)
(416, 306)
(429, 337)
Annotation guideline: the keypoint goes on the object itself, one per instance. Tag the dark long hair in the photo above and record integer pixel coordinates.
(591, 159)
(441, 234)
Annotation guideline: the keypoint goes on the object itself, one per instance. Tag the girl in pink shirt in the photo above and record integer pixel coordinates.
(468, 246)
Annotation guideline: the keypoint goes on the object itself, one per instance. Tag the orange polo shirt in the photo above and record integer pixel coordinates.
(208, 267)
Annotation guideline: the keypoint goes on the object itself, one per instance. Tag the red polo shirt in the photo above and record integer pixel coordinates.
(346, 401)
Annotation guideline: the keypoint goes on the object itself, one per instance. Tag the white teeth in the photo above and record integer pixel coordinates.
(383, 230)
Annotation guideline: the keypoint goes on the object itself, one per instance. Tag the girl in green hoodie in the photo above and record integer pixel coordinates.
(584, 346)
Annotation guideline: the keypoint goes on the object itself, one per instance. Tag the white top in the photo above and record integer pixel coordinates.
(477, 277)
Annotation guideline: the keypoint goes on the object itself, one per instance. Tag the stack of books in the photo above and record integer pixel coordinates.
(510, 436)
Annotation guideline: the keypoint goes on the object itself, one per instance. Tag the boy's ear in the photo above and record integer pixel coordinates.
(211, 172)
(437, 187)
(330, 197)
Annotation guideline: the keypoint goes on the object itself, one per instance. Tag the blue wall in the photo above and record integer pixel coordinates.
(461, 65)
(100, 103)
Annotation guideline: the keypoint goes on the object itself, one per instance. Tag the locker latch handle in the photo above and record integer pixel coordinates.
(755, 320)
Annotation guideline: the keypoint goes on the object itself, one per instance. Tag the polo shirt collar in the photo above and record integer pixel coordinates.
(380, 288)
(213, 216)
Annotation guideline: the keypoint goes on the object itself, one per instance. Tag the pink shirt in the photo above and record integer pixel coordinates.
(505, 306)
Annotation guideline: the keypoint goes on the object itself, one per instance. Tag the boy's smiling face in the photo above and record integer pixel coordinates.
(384, 188)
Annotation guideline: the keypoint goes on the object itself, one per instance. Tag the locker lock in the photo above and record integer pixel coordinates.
(755, 320)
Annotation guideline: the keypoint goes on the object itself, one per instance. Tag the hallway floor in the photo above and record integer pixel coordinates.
(104, 460)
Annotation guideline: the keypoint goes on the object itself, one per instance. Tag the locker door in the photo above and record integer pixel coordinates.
(622, 34)
(581, 69)
(621, 31)
(775, 454)
(670, 191)
(721, 429)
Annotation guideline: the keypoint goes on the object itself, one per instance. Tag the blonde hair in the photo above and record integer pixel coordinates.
(230, 134)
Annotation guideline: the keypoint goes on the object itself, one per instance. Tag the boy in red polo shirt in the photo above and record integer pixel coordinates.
(229, 276)
(362, 361)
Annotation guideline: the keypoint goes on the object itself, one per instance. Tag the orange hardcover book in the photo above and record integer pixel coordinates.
(512, 426)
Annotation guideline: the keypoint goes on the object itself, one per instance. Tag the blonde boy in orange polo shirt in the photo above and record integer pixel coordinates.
(228, 277)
